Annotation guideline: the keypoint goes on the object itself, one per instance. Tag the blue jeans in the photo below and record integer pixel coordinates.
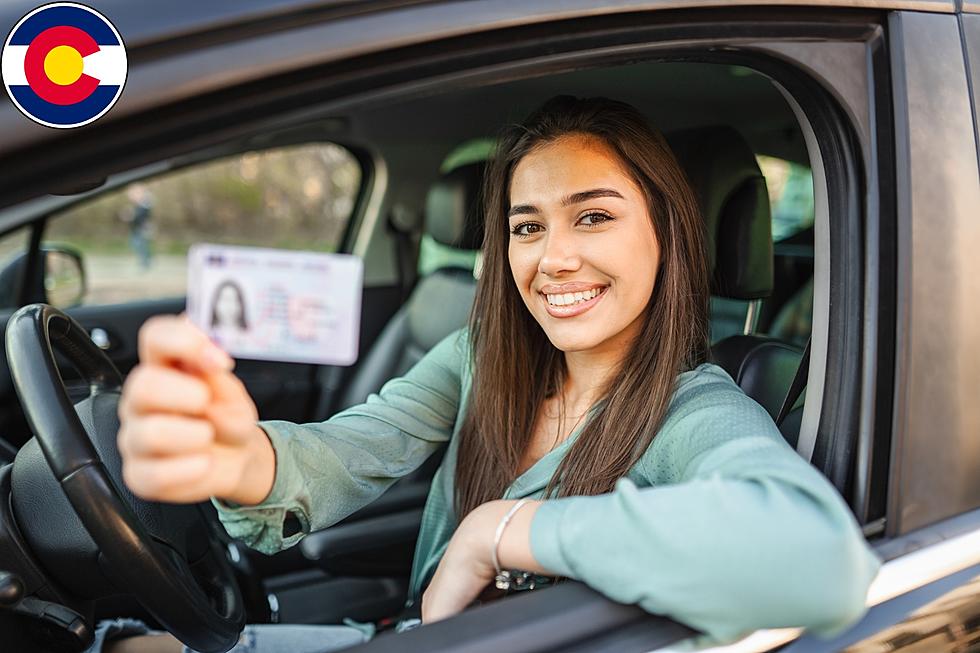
(258, 638)
(141, 245)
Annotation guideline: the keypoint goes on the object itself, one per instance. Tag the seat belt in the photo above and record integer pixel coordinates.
(797, 386)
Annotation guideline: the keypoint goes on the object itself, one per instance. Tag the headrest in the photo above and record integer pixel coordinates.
(453, 208)
(735, 203)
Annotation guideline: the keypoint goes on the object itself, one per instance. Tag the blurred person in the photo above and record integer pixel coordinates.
(137, 215)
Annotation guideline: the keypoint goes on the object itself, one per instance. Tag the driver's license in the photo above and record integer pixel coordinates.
(278, 305)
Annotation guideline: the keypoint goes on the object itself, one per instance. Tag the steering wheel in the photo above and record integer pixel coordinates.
(169, 557)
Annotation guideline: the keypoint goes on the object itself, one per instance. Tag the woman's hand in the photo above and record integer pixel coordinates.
(467, 566)
(187, 425)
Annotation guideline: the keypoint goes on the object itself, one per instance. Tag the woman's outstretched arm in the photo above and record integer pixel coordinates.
(189, 432)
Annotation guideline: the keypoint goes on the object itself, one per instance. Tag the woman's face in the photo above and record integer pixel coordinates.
(227, 307)
(582, 247)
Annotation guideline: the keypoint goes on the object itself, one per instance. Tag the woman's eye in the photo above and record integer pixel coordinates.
(594, 219)
(526, 229)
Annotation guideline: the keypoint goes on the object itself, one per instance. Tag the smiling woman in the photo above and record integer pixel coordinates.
(588, 438)
(554, 248)
(595, 203)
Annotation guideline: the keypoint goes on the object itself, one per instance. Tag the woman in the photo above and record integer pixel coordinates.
(580, 386)
(228, 324)
(228, 307)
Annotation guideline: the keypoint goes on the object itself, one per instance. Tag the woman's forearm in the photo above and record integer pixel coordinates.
(514, 550)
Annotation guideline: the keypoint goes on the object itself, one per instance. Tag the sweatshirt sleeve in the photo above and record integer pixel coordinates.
(327, 470)
(733, 533)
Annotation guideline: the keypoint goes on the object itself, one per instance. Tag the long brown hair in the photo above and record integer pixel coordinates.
(515, 366)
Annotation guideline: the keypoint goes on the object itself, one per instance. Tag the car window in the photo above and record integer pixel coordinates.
(134, 240)
(13, 244)
(790, 196)
(791, 203)
(433, 255)
(471, 151)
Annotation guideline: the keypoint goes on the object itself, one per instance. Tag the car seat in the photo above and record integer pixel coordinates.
(440, 302)
(731, 191)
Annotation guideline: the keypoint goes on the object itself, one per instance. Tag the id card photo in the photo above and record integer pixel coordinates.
(270, 304)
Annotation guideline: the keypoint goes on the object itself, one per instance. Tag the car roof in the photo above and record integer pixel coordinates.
(673, 96)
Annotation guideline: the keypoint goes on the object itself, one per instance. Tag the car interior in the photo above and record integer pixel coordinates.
(417, 224)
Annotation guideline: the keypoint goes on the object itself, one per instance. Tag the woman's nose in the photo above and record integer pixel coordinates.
(560, 254)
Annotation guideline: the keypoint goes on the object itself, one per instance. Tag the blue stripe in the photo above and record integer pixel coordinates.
(56, 16)
(64, 114)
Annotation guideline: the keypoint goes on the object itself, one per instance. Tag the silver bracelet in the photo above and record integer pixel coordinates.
(503, 578)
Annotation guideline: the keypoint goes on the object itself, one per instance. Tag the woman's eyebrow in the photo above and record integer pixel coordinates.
(574, 198)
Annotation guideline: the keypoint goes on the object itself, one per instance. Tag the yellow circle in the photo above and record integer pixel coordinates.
(63, 65)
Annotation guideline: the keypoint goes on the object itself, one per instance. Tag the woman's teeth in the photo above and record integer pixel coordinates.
(569, 298)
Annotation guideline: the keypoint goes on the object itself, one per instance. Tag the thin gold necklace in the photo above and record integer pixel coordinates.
(561, 420)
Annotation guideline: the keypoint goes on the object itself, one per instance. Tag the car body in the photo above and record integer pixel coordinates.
(878, 99)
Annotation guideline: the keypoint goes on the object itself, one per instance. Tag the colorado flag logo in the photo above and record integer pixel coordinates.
(64, 65)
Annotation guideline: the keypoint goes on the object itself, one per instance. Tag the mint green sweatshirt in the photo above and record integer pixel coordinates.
(720, 524)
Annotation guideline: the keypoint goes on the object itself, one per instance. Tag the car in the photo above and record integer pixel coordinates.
(834, 149)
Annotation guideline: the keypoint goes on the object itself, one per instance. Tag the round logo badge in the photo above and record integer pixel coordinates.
(64, 65)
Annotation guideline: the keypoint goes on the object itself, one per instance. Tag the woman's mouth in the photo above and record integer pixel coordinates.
(572, 304)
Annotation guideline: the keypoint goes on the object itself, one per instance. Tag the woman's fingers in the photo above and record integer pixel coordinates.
(186, 422)
(154, 388)
(175, 479)
(165, 435)
(172, 339)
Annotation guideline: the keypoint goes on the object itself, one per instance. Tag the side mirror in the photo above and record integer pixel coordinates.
(61, 282)
(64, 276)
